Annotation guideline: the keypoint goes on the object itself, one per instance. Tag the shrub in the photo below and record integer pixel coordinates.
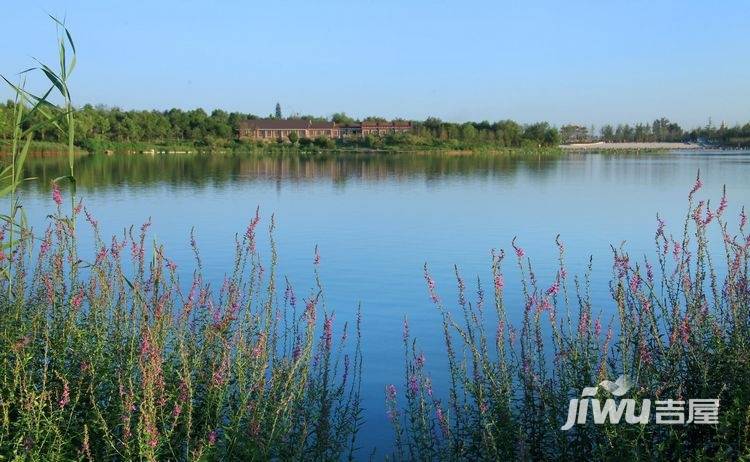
(324, 142)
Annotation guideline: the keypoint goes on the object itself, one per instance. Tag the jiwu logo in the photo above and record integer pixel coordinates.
(669, 411)
(578, 409)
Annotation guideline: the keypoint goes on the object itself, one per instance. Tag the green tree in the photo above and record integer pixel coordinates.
(324, 142)
(536, 132)
(341, 118)
(468, 132)
(278, 110)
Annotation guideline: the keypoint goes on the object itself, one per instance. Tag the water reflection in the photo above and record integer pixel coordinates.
(99, 170)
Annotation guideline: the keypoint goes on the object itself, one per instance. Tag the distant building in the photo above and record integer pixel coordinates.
(273, 129)
(385, 128)
(351, 130)
(280, 129)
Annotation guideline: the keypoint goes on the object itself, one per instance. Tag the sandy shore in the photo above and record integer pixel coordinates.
(628, 146)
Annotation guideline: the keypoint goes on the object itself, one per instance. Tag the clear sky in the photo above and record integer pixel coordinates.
(560, 61)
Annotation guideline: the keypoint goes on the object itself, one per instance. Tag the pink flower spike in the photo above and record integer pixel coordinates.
(519, 251)
(554, 289)
(56, 194)
(723, 204)
(65, 399)
(499, 283)
(743, 219)
(698, 184)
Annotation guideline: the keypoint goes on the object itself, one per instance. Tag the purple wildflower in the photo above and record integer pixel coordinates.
(660, 226)
(645, 354)
(77, 300)
(56, 194)
(65, 398)
(328, 332)
(499, 283)
(635, 282)
(430, 285)
(698, 184)
(391, 391)
(420, 360)
(583, 324)
(722, 204)
(743, 218)
(677, 251)
(413, 384)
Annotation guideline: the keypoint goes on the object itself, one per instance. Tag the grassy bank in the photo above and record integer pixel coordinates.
(186, 147)
(41, 147)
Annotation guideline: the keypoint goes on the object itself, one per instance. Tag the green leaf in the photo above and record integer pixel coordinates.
(21, 159)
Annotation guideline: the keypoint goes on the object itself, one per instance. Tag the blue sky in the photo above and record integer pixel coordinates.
(573, 61)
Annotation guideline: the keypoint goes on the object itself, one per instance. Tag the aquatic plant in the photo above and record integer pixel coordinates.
(681, 331)
(116, 358)
(123, 360)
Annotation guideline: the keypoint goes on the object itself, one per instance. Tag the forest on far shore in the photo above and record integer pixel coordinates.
(100, 127)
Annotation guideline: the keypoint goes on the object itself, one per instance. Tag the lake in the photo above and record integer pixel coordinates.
(378, 218)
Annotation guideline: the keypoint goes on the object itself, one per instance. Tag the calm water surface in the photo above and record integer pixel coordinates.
(378, 219)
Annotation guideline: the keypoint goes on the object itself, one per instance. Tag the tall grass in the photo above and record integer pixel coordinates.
(681, 331)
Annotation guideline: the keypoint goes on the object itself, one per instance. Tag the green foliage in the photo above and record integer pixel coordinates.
(324, 142)
(342, 119)
(575, 134)
(736, 136)
(33, 114)
(372, 141)
(661, 130)
(293, 137)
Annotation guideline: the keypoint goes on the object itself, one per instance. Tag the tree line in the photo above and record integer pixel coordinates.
(660, 130)
(100, 126)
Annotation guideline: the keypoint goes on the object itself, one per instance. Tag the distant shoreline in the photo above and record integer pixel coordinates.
(53, 148)
(632, 146)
